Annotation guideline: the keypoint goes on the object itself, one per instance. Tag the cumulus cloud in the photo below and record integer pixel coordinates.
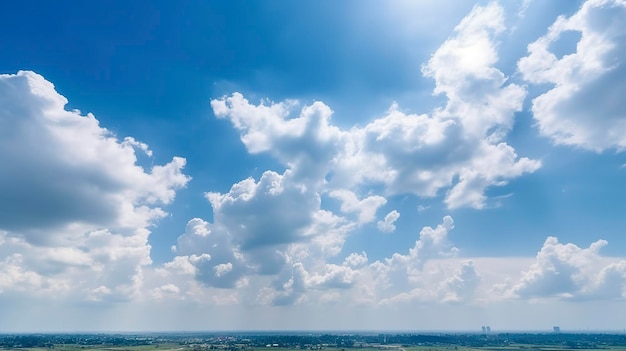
(459, 147)
(432, 243)
(463, 69)
(77, 205)
(611, 282)
(334, 276)
(567, 271)
(260, 228)
(298, 285)
(584, 108)
(462, 285)
(401, 272)
(91, 231)
(101, 266)
(209, 254)
(80, 205)
(355, 259)
(387, 225)
(14, 276)
(366, 208)
(67, 170)
(418, 275)
(307, 142)
(280, 226)
(165, 290)
(272, 211)
(289, 292)
(440, 283)
(304, 276)
(264, 217)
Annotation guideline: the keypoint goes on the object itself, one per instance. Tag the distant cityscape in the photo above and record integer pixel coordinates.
(315, 340)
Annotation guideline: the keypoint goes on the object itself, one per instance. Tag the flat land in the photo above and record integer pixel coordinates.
(206, 347)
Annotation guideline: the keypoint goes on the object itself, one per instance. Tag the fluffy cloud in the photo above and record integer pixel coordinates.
(418, 275)
(207, 250)
(459, 147)
(78, 204)
(611, 282)
(100, 266)
(202, 250)
(569, 272)
(432, 243)
(366, 208)
(585, 107)
(334, 276)
(280, 225)
(428, 273)
(387, 225)
(463, 69)
(462, 285)
(291, 291)
(67, 171)
(355, 259)
(260, 227)
(306, 142)
(272, 211)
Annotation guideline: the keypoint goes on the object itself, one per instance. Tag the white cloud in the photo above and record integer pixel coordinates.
(365, 208)
(462, 286)
(223, 268)
(184, 265)
(100, 266)
(611, 282)
(80, 205)
(441, 282)
(288, 292)
(585, 107)
(165, 290)
(306, 143)
(523, 7)
(15, 277)
(334, 277)
(387, 225)
(272, 211)
(355, 260)
(209, 254)
(433, 243)
(261, 227)
(463, 69)
(80, 227)
(278, 226)
(382, 281)
(567, 271)
(304, 276)
(422, 208)
(68, 171)
(400, 274)
(459, 147)
(130, 141)
(491, 166)
(265, 217)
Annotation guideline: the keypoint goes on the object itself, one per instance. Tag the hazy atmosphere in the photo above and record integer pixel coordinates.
(312, 165)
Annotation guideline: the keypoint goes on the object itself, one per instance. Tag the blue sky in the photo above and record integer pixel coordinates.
(369, 165)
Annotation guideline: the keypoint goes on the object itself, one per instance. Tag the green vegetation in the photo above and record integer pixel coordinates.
(314, 342)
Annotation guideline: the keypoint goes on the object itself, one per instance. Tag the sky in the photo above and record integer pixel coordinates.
(312, 165)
